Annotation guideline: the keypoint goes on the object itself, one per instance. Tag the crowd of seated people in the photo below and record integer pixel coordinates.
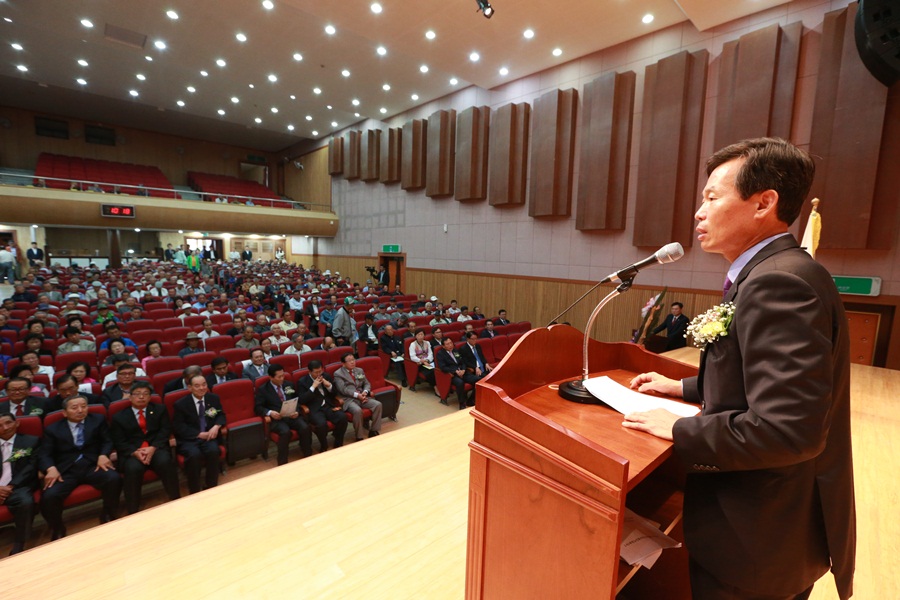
(114, 361)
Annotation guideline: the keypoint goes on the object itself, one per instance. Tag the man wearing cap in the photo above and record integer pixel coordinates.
(138, 292)
(93, 289)
(194, 344)
(104, 314)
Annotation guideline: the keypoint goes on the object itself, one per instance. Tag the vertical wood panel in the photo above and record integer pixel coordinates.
(370, 154)
(553, 155)
(472, 128)
(390, 155)
(441, 158)
(509, 135)
(606, 124)
(351, 154)
(886, 201)
(335, 156)
(673, 108)
(848, 122)
(786, 80)
(412, 170)
(312, 185)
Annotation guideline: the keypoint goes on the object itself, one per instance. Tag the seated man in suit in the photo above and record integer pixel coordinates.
(317, 393)
(268, 349)
(393, 347)
(449, 361)
(473, 357)
(269, 398)
(488, 331)
(353, 390)
(19, 402)
(121, 389)
(140, 436)
(501, 319)
(18, 477)
(257, 366)
(183, 382)
(66, 387)
(198, 419)
(221, 373)
(368, 333)
(76, 450)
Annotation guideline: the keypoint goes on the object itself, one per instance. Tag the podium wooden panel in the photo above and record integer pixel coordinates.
(549, 479)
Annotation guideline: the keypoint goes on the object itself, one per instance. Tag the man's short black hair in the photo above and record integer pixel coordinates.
(274, 368)
(314, 364)
(678, 304)
(218, 361)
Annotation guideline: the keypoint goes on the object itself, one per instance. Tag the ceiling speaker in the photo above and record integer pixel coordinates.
(877, 30)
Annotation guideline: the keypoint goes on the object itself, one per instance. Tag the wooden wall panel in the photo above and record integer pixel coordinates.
(671, 129)
(370, 154)
(312, 185)
(351, 154)
(606, 122)
(849, 120)
(441, 154)
(391, 141)
(472, 130)
(553, 155)
(509, 139)
(336, 156)
(757, 79)
(412, 169)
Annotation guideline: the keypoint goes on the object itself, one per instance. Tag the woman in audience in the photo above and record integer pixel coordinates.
(421, 354)
(76, 322)
(154, 350)
(34, 389)
(32, 359)
(81, 371)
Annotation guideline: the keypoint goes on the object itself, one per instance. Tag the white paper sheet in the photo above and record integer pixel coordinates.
(642, 540)
(626, 401)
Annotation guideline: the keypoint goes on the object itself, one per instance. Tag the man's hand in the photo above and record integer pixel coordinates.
(295, 414)
(275, 415)
(658, 422)
(478, 372)
(460, 372)
(654, 382)
(103, 463)
(52, 477)
(305, 410)
(5, 491)
(214, 432)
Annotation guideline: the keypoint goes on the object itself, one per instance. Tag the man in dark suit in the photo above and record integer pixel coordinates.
(501, 319)
(383, 277)
(246, 255)
(198, 419)
(66, 387)
(269, 398)
(18, 477)
(221, 373)
(317, 393)
(393, 347)
(768, 500)
(76, 450)
(121, 389)
(140, 435)
(368, 333)
(19, 403)
(473, 357)
(183, 382)
(675, 325)
(488, 331)
(34, 254)
(450, 361)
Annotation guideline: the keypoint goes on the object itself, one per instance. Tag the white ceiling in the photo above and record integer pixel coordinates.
(53, 40)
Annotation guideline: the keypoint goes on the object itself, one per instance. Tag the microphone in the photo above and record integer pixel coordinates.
(667, 254)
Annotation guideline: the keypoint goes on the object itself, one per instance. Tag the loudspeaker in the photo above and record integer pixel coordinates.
(877, 32)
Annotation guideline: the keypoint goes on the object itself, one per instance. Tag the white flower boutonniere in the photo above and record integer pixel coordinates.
(19, 454)
(359, 376)
(36, 412)
(211, 412)
(711, 325)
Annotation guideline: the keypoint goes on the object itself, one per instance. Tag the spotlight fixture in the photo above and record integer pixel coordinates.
(485, 8)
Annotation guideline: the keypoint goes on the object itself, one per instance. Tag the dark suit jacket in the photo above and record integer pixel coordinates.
(111, 394)
(58, 448)
(487, 334)
(211, 379)
(675, 328)
(267, 398)
(31, 403)
(391, 344)
(24, 470)
(445, 362)
(186, 421)
(55, 403)
(174, 385)
(769, 491)
(468, 359)
(313, 400)
(127, 435)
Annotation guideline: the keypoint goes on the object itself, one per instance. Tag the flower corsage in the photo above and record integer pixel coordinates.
(19, 454)
(211, 412)
(711, 325)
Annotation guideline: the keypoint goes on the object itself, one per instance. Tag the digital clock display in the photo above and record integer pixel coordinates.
(117, 210)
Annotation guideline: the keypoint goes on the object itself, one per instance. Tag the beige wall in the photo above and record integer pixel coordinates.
(312, 184)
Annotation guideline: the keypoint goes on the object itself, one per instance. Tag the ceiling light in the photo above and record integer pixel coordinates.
(7, 19)
(235, 99)
(528, 33)
(180, 103)
(258, 120)
(81, 81)
(204, 73)
(274, 109)
(423, 68)
(647, 19)
(149, 58)
(290, 127)
(386, 87)
(504, 71)
(356, 114)
(382, 110)
(141, 77)
(22, 68)
(273, 77)
(191, 89)
(137, 229)
(221, 62)
(381, 50)
(87, 23)
(314, 132)
(328, 106)
(82, 62)
(172, 15)
(298, 57)
(345, 73)
(430, 34)
(354, 102)
(415, 96)
(134, 93)
(251, 86)
(376, 8)
(240, 37)
(485, 8)
(330, 30)
(160, 44)
(221, 112)
(474, 57)
(16, 46)
(334, 124)
(181, 231)
(309, 117)
(317, 90)
(557, 52)
(454, 81)
(268, 4)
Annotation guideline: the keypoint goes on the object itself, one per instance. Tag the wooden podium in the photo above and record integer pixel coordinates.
(550, 479)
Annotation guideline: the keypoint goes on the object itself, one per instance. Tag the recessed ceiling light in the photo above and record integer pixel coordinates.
(191, 89)
(356, 114)
(430, 34)
(172, 15)
(330, 30)
(160, 44)
(298, 57)
(386, 87)
(16, 46)
(355, 102)
(474, 57)
(309, 117)
(381, 50)
(22, 68)
(204, 73)
(82, 62)
(221, 62)
(268, 4)
(317, 90)
(251, 86)
(149, 58)
(137, 229)
(7, 19)
(647, 19)
(557, 52)
(334, 124)
(382, 110)
(221, 112)
(274, 109)
(87, 23)
(141, 77)
(314, 132)
(240, 37)
(181, 231)
(290, 127)
(293, 97)
(81, 81)
(328, 106)
(376, 8)
(423, 68)
(235, 99)
(258, 120)
(415, 96)
(528, 33)
(454, 81)
(134, 93)
(180, 103)
(504, 71)
(273, 77)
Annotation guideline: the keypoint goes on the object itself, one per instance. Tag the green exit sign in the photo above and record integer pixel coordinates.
(393, 248)
(858, 286)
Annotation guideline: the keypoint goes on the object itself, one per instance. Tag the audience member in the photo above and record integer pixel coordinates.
(354, 391)
(450, 361)
(317, 393)
(194, 345)
(269, 400)
(18, 477)
(75, 343)
(473, 356)
(197, 422)
(220, 372)
(248, 340)
(420, 353)
(257, 366)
